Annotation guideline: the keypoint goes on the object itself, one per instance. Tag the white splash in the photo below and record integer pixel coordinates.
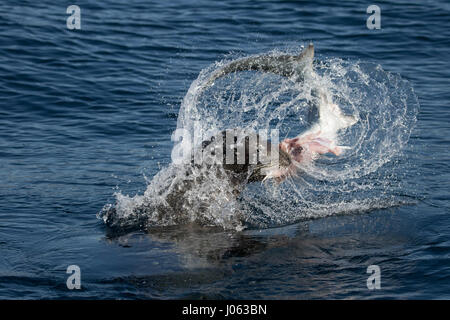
(366, 115)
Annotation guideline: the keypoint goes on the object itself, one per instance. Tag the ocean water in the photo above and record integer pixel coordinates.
(87, 115)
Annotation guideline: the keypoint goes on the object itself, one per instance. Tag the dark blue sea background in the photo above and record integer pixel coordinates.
(85, 113)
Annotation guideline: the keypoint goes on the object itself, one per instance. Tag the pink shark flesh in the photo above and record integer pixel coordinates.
(303, 150)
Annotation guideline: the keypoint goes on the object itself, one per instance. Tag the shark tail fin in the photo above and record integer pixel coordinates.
(283, 65)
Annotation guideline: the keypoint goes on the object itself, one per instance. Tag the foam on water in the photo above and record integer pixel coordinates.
(366, 176)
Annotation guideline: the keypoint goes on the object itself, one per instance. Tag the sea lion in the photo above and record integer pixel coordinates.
(189, 177)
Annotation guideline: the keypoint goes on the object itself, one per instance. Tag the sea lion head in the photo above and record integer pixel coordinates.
(259, 161)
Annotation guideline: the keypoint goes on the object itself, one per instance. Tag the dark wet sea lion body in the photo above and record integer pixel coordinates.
(232, 176)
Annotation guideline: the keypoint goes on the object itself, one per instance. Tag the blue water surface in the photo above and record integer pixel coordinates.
(84, 113)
